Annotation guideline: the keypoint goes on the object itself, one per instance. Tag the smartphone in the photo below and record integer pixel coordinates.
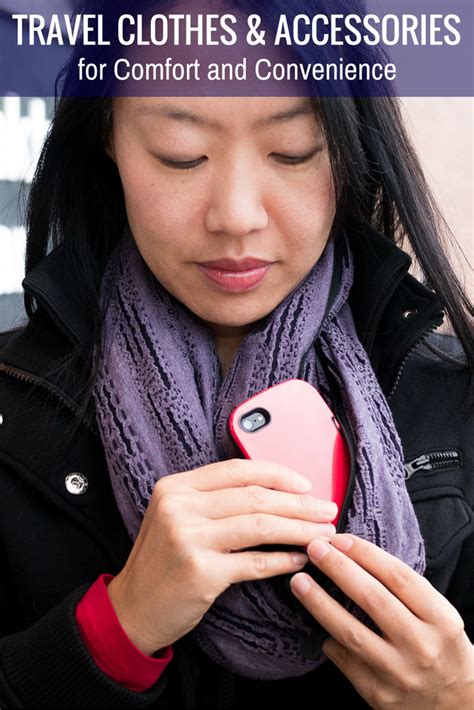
(290, 423)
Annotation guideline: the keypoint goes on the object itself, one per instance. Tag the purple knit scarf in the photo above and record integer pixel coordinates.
(162, 408)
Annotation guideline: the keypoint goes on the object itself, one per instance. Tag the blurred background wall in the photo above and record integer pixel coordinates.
(23, 126)
(442, 130)
(443, 133)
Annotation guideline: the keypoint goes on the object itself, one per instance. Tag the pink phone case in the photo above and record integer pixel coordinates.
(302, 433)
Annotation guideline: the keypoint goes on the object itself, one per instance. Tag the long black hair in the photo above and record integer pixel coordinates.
(77, 199)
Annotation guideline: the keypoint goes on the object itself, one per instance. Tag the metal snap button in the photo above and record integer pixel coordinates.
(410, 313)
(1, 419)
(76, 483)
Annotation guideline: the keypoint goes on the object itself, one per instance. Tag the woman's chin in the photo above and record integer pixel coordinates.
(221, 322)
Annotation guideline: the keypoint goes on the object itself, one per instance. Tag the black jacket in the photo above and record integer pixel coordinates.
(54, 544)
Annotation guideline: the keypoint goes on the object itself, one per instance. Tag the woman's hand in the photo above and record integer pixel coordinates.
(423, 659)
(188, 550)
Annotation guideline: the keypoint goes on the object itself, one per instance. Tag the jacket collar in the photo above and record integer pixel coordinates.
(391, 309)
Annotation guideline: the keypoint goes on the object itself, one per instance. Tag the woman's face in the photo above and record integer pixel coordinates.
(217, 178)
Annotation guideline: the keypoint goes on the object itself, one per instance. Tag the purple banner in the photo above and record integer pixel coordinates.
(291, 48)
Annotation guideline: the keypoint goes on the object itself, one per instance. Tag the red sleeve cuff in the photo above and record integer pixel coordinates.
(110, 646)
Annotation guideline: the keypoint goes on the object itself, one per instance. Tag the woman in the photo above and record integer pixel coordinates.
(128, 520)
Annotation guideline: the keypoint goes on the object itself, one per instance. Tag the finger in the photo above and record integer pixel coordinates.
(344, 627)
(243, 472)
(247, 566)
(389, 613)
(413, 590)
(241, 531)
(258, 499)
(364, 678)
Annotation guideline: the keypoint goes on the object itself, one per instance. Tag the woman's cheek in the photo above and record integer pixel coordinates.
(145, 203)
(161, 226)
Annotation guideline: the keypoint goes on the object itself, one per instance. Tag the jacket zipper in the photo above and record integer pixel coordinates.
(407, 355)
(433, 461)
(228, 690)
(344, 424)
(51, 389)
(346, 427)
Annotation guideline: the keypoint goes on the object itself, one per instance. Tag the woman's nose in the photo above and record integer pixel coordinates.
(237, 205)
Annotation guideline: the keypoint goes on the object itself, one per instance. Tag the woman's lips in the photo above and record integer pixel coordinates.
(235, 281)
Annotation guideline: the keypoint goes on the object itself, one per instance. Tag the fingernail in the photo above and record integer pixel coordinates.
(342, 542)
(328, 508)
(317, 549)
(327, 531)
(302, 484)
(299, 558)
(300, 584)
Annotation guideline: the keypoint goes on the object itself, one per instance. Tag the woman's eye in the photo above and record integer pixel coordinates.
(284, 159)
(296, 159)
(183, 164)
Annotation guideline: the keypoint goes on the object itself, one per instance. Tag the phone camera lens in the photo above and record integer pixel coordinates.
(254, 420)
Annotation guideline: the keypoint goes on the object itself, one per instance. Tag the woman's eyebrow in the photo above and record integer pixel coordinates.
(176, 113)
